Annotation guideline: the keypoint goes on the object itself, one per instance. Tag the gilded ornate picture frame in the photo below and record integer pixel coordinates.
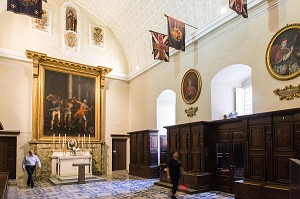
(283, 53)
(67, 98)
(191, 85)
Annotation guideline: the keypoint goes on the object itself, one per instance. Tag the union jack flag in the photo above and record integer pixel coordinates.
(160, 46)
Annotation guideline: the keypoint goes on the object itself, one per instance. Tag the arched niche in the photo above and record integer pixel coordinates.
(70, 27)
(165, 116)
(166, 110)
(224, 86)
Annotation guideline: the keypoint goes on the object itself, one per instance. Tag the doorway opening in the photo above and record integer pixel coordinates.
(166, 116)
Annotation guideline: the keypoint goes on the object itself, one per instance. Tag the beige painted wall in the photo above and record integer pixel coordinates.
(16, 35)
(15, 103)
(243, 44)
(116, 115)
(16, 76)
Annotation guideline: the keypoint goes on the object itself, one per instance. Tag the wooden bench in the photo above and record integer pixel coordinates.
(3, 184)
(248, 189)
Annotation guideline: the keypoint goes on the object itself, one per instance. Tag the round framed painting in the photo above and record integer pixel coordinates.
(283, 53)
(191, 85)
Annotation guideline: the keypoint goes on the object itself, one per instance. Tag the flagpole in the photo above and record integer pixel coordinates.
(156, 32)
(182, 22)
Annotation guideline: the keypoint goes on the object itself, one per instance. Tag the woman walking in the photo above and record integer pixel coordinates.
(173, 171)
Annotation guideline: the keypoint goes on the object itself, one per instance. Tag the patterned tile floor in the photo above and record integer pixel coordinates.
(118, 185)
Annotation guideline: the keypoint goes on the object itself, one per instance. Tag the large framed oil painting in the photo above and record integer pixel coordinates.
(69, 103)
(67, 98)
(191, 85)
(283, 53)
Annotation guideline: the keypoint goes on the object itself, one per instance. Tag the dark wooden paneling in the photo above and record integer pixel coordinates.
(283, 137)
(257, 138)
(173, 144)
(119, 154)
(281, 169)
(8, 155)
(269, 139)
(273, 192)
(133, 154)
(260, 190)
(140, 148)
(257, 167)
(153, 150)
(297, 145)
(196, 147)
(249, 190)
(145, 143)
(184, 136)
(237, 136)
(222, 136)
(294, 185)
(163, 149)
(223, 183)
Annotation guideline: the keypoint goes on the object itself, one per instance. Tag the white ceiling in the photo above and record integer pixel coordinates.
(130, 21)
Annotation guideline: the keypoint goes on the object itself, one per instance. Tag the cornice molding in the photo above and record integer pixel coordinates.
(41, 57)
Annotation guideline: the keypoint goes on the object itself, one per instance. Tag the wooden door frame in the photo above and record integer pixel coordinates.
(12, 134)
(121, 137)
(231, 142)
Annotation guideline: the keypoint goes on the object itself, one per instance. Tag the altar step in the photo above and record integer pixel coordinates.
(73, 180)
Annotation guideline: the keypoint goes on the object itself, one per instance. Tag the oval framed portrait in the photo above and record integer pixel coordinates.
(191, 85)
(283, 53)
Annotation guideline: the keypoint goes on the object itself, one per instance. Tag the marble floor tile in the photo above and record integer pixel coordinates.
(118, 185)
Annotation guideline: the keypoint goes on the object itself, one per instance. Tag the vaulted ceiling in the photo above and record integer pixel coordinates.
(130, 21)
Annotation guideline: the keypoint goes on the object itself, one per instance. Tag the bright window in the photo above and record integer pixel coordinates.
(243, 99)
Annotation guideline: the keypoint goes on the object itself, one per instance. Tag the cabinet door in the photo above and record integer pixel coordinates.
(230, 164)
(119, 154)
(8, 155)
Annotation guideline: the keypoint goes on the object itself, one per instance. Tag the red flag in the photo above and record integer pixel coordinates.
(160, 46)
(176, 32)
(239, 6)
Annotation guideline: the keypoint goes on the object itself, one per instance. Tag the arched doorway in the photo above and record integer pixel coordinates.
(165, 115)
(231, 92)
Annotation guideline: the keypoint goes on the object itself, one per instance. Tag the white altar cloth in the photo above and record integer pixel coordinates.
(62, 164)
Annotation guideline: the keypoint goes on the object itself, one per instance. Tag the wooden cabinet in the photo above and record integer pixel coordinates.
(193, 142)
(144, 153)
(272, 139)
(163, 149)
(230, 148)
(248, 155)
(8, 152)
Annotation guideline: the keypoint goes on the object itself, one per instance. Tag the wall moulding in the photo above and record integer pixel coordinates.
(288, 92)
